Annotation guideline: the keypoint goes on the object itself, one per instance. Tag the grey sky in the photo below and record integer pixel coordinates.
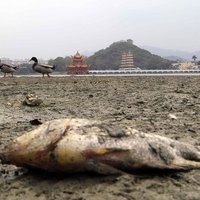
(51, 28)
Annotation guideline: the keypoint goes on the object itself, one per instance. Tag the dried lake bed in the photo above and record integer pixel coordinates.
(144, 102)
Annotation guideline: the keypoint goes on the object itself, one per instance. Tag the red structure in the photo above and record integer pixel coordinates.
(77, 65)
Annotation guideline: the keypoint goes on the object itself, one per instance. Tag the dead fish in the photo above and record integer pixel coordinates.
(79, 145)
(32, 100)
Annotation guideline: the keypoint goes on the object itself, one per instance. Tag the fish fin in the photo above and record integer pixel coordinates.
(185, 164)
(102, 168)
(102, 151)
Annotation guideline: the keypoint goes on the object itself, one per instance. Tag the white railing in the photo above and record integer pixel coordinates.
(142, 71)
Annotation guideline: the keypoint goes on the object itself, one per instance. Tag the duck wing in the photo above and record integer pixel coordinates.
(6, 68)
(46, 66)
(44, 69)
(8, 65)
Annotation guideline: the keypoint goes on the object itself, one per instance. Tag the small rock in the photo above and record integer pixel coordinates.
(9, 104)
(35, 122)
(17, 104)
(129, 117)
(172, 116)
(91, 95)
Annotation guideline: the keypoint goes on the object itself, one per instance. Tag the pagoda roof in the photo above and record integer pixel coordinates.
(77, 56)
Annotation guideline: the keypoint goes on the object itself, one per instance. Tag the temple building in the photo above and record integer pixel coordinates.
(78, 65)
(127, 61)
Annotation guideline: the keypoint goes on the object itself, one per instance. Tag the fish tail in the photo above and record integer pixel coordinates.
(185, 164)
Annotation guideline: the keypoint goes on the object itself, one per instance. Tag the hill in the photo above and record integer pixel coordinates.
(110, 58)
(175, 58)
(184, 55)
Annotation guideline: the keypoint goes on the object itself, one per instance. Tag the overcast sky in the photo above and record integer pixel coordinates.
(51, 28)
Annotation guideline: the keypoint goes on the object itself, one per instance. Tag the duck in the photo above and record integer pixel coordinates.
(42, 68)
(7, 68)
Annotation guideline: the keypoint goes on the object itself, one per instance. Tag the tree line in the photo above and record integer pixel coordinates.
(110, 59)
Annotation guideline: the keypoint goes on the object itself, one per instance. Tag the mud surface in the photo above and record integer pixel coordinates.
(143, 102)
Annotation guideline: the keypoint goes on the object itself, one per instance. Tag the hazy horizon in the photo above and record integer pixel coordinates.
(48, 29)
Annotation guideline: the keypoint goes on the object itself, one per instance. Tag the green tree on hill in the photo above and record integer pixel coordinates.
(110, 58)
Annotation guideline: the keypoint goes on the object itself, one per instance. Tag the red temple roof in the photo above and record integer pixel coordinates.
(78, 62)
(78, 56)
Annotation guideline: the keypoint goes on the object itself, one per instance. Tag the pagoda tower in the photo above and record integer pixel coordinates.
(127, 61)
(78, 65)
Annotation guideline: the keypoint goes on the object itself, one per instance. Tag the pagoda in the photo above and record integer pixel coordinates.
(127, 61)
(78, 65)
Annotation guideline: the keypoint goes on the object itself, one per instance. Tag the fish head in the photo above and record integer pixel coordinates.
(31, 146)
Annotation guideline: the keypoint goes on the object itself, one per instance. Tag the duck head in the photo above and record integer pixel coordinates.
(34, 59)
(1, 65)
